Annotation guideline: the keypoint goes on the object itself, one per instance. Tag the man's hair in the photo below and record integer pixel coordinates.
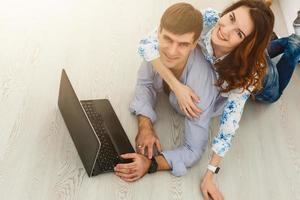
(182, 18)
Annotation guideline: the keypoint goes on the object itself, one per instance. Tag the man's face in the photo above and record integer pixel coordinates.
(175, 49)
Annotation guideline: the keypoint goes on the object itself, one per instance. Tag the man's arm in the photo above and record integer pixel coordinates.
(139, 167)
(146, 137)
(145, 94)
(144, 122)
(162, 163)
(195, 142)
(176, 160)
(143, 105)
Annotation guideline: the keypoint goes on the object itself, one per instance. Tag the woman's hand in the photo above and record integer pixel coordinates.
(186, 97)
(209, 189)
(187, 100)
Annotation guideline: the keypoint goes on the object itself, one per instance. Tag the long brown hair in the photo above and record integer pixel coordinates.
(246, 65)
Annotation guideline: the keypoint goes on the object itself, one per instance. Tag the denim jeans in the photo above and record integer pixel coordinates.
(279, 74)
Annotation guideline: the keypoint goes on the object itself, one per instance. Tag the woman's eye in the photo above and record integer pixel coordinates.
(240, 34)
(231, 17)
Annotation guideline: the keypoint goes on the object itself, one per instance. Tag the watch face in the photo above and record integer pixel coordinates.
(217, 170)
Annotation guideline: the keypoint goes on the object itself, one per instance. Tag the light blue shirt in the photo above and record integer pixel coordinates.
(199, 76)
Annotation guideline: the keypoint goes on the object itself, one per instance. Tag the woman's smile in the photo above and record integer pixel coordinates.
(220, 35)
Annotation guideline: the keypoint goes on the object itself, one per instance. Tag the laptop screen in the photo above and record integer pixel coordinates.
(82, 133)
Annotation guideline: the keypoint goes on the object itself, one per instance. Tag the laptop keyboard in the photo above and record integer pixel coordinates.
(107, 157)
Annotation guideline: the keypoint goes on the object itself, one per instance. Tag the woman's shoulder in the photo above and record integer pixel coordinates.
(210, 17)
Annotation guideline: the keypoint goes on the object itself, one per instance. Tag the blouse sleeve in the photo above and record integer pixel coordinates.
(229, 121)
(210, 17)
(148, 46)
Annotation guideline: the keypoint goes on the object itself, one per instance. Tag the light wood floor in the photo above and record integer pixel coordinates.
(96, 41)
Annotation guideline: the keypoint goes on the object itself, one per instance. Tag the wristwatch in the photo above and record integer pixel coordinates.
(213, 169)
(153, 166)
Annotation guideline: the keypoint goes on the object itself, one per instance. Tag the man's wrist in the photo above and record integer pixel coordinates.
(162, 162)
(144, 122)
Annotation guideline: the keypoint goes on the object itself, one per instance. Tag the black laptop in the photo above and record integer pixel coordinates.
(95, 130)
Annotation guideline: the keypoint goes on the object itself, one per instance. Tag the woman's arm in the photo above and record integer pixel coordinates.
(186, 97)
(208, 187)
(229, 124)
(229, 121)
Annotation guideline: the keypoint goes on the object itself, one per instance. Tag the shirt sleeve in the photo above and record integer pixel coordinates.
(229, 121)
(195, 142)
(148, 47)
(145, 94)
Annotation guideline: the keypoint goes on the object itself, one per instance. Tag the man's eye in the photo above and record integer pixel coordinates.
(231, 17)
(168, 39)
(183, 45)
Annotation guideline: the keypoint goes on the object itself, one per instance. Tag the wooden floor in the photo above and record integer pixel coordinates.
(96, 42)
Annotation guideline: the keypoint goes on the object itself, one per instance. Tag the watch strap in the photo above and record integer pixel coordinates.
(153, 166)
(213, 169)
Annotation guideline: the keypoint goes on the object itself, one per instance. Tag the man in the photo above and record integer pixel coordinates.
(180, 28)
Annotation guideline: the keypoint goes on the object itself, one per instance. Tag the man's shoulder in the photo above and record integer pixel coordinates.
(201, 78)
(146, 65)
(200, 63)
(146, 70)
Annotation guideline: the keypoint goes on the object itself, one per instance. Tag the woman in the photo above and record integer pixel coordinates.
(235, 44)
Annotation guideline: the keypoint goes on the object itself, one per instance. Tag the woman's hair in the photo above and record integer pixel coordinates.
(246, 65)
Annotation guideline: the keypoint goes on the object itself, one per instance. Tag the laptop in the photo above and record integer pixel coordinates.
(94, 128)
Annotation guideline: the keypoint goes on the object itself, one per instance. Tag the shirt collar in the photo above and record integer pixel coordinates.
(208, 49)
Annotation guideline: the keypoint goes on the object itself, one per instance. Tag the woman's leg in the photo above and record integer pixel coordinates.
(280, 73)
(270, 91)
(276, 47)
(287, 63)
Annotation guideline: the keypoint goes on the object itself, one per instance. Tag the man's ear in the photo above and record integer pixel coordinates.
(195, 43)
(159, 32)
(159, 29)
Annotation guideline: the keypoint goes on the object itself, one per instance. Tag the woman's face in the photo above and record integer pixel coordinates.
(231, 29)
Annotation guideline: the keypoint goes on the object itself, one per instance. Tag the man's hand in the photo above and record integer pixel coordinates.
(146, 138)
(133, 171)
(209, 189)
(187, 100)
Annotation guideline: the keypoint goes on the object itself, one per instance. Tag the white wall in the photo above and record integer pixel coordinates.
(289, 10)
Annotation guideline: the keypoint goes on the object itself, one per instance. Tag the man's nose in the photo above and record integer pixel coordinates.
(173, 49)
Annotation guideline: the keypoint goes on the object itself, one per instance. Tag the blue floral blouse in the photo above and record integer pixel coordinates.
(236, 99)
